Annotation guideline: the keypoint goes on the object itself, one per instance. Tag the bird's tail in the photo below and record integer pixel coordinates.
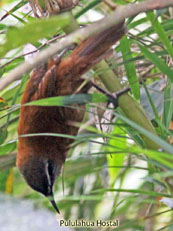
(64, 78)
(90, 52)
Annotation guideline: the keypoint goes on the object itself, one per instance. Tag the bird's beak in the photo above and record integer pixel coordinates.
(54, 205)
(52, 200)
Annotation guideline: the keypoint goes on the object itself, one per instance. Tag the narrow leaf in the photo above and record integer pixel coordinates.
(33, 31)
(130, 67)
(162, 143)
(68, 100)
(117, 159)
(160, 31)
(168, 105)
(157, 62)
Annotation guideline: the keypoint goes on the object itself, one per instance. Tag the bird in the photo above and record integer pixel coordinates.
(40, 158)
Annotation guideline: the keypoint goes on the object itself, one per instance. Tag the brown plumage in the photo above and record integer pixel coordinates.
(40, 158)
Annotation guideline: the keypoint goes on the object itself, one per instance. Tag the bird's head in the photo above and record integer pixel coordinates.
(40, 174)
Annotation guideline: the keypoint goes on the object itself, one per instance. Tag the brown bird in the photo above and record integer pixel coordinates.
(40, 158)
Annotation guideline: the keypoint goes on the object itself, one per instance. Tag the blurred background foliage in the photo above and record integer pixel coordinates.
(109, 173)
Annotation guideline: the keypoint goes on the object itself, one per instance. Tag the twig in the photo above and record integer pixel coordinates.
(31, 52)
(80, 35)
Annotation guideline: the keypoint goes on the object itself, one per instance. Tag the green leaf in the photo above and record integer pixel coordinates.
(87, 8)
(130, 67)
(137, 23)
(157, 62)
(117, 159)
(153, 94)
(68, 100)
(33, 31)
(151, 101)
(3, 134)
(162, 143)
(16, 7)
(163, 158)
(168, 105)
(166, 24)
(160, 31)
(6, 148)
(3, 179)
(141, 192)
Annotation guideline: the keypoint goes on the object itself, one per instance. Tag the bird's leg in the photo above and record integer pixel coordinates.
(113, 98)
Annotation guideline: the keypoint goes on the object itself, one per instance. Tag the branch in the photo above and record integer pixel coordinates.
(121, 13)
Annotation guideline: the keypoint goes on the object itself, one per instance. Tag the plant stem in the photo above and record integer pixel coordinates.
(128, 105)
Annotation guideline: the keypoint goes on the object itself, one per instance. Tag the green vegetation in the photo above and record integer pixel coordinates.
(121, 170)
